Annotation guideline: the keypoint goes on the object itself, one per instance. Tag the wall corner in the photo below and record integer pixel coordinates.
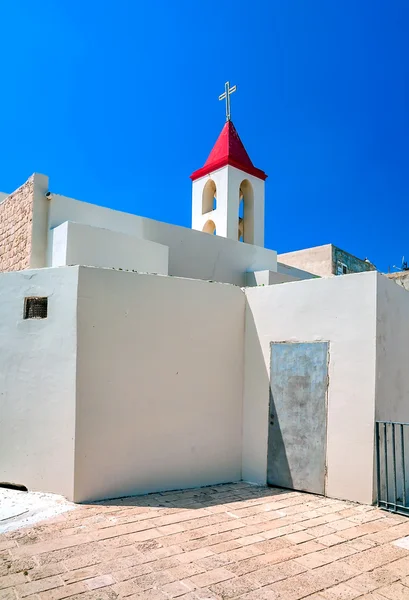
(39, 225)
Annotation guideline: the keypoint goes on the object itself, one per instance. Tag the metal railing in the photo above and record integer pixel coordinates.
(392, 440)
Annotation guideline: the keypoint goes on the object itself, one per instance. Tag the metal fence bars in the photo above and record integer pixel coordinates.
(392, 443)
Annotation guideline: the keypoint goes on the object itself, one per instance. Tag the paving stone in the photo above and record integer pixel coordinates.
(36, 572)
(149, 595)
(250, 539)
(227, 541)
(299, 537)
(80, 574)
(65, 591)
(307, 548)
(361, 544)
(390, 534)
(231, 588)
(128, 588)
(313, 560)
(261, 594)
(372, 596)
(8, 594)
(398, 568)
(202, 594)
(225, 546)
(331, 540)
(131, 572)
(334, 573)
(376, 557)
(395, 591)
(185, 571)
(342, 524)
(34, 587)
(320, 531)
(153, 580)
(176, 589)
(6, 544)
(99, 582)
(296, 587)
(211, 577)
(12, 580)
(213, 562)
(242, 553)
(341, 591)
(367, 582)
(274, 573)
(195, 555)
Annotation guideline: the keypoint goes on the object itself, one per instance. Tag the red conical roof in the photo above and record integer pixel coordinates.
(228, 150)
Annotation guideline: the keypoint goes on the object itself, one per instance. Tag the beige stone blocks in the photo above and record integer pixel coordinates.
(16, 215)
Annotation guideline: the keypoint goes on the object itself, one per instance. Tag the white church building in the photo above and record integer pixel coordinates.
(139, 356)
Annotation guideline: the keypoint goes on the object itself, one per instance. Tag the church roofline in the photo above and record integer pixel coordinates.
(228, 150)
(207, 169)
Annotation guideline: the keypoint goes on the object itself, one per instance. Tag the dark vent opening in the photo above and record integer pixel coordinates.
(35, 308)
(13, 486)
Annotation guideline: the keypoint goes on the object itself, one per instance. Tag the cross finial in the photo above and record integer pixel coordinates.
(226, 96)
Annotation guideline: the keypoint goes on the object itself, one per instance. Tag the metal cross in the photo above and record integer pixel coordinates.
(226, 96)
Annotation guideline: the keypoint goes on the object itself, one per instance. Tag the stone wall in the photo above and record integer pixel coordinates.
(401, 278)
(16, 215)
(317, 260)
(344, 263)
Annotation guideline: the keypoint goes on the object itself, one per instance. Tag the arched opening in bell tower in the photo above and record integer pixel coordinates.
(209, 227)
(209, 201)
(245, 228)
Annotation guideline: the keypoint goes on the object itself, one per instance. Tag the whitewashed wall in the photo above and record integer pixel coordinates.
(392, 352)
(192, 253)
(268, 278)
(39, 231)
(37, 381)
(159, 383)
(77, 244)
(294, 272)
(341, 310)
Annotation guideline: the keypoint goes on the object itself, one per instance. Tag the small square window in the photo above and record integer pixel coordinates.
(35, 308)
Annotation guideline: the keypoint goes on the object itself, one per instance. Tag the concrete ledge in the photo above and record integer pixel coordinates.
(78, 244)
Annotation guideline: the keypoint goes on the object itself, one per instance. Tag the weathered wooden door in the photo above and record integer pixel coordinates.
(298, 416)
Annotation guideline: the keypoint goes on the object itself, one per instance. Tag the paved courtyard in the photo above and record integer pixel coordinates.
(226, 541)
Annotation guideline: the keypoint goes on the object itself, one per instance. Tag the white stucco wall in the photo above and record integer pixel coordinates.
(159, 383)
(39, 233)
(77, 244)
(37, 381)
(192, 253)
(294, 272)
(341, 310)
(268, 278)
(392, 356)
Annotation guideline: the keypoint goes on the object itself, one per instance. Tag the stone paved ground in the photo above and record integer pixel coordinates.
(227, 541)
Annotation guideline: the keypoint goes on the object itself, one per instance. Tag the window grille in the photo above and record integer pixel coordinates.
(35, 308)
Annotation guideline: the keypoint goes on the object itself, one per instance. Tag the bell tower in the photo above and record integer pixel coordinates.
(228, 191)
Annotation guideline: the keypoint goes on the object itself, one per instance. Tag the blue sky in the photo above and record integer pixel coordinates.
(117, 103)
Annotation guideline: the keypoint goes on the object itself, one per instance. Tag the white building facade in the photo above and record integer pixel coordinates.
(138, 356)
